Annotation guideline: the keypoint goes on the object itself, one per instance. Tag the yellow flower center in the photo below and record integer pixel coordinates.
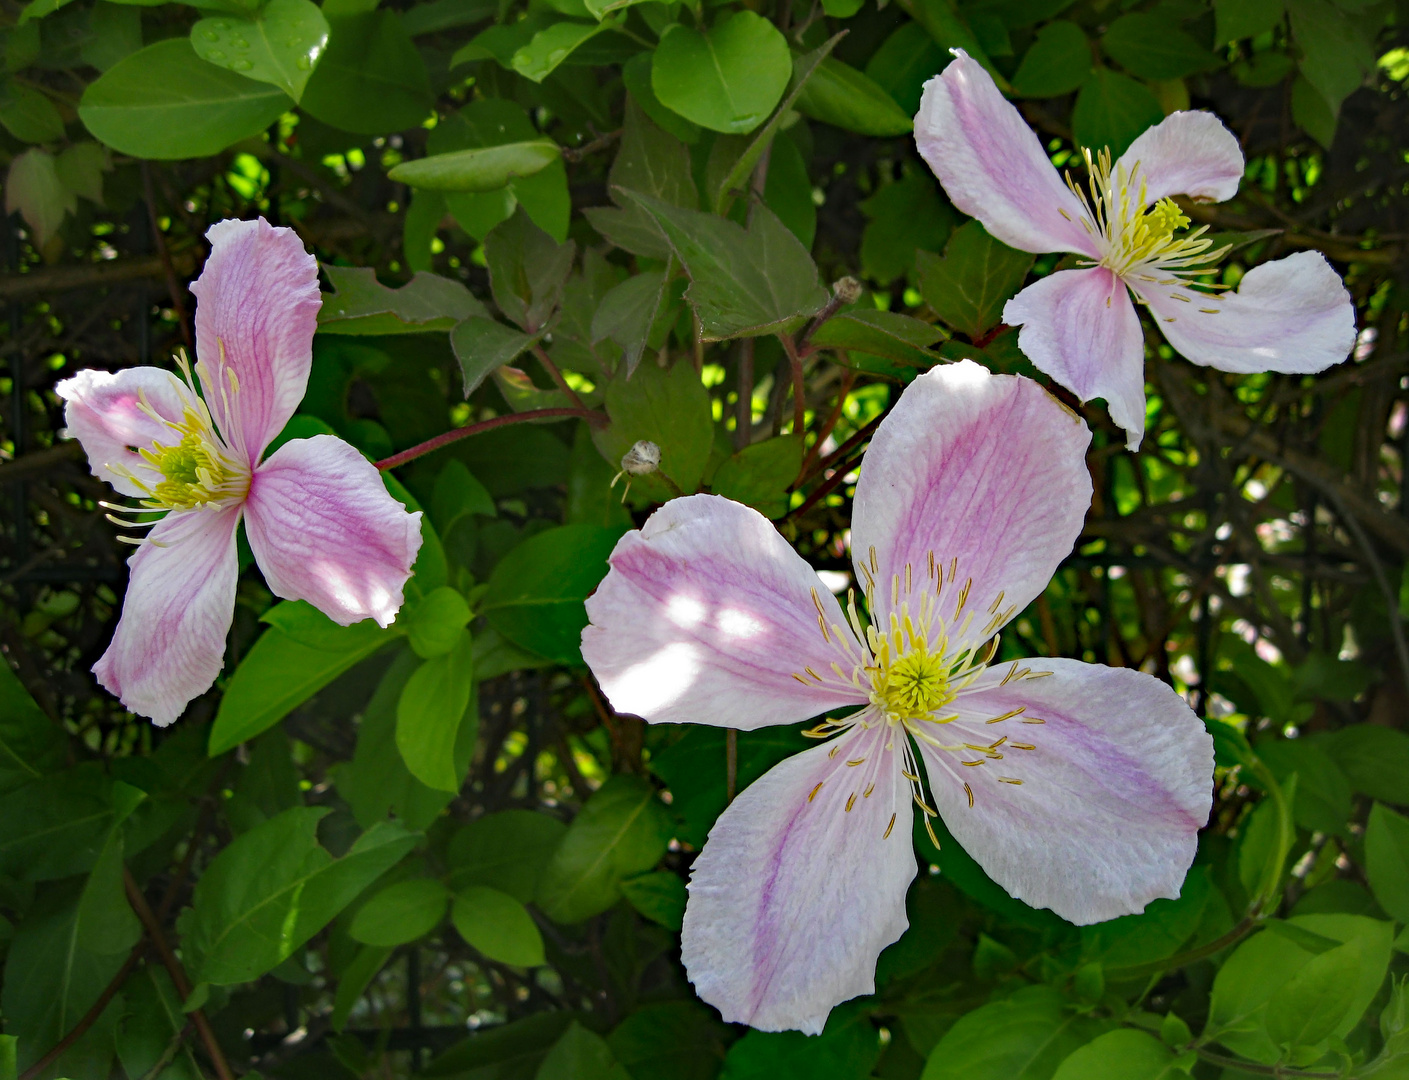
(195, 471)
(914, 685)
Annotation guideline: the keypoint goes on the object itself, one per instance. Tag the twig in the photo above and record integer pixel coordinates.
(843, 451)
(848, 380)
(169, 1053)
(1396, 621)
(177, 973)
(557, 376)
(448, 437)
(48, 280)
(172, 283)
(743, 408)
(799, 389)
(1262, 1070)
(601, 142)
(91, 1016)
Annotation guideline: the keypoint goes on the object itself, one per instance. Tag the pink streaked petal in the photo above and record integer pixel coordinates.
(102, 411)
(170, 641)
(324, 529)
(1291, 316)
(992, 165)
(1186, 153)
(258, 297)
(1080, 327)
(1112, 797)
(707, 616)
(802, 884)
(987, 471)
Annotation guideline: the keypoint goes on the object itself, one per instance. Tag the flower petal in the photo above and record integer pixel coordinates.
(103, 413)
(985, 470)
(1080, 327)
(992, 165)
(1292, 316)
(708, 616)
(257, 310)
(1115, 787)
(801, 885)
(169, 644)
(324, 529)
(1186, 153)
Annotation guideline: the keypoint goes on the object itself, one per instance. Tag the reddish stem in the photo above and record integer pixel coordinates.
(446, 438)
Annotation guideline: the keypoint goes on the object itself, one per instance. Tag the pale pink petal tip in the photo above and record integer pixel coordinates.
(992, 165)
(801, 885)
(1116, 779)
(323, 528)
(169, 644)
(708, 616)
(257, 311)
(1186, 153)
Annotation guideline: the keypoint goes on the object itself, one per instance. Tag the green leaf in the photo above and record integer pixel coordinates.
(30, 745)
(659, 896)
(503, 1051)
(727, 78)
(430, 713)
(1335, 53)
(379, 781)
(51, 981)
(55, 826)
(81, 169)
(670, 1040)
(273, 888)
(356, 977)
(1310, 1005)
(976, 276)
(1239, 19)
(154, 1019)
(280, 45)
(360, 304)
(1374, 758)
(400, 913)
(534, 597)
(881, 333)
(580, 1055)
(1125, 1054)
(1387, 860)
(106, 923)
(847, 1049)
(433, 623)
(759, 475)
(29, 115)
(164, 102)
(621, 832)
(1020, 1038)
(904, 216)
(652, 161)
(1111, 110)
(669, 407)
(371, 79)
(1153, 934)
(527, 271)
(498, 926)
(629, 313)
(742, 283)
(300, 654)
(1323, 791)
(1153, 46)
(1312, 112)
(1057, 63)
(484, 169)
(636, 74)
(551, 46)
(840, 95)
(947, 26)
(904, 61)
(482, 346)
(508, 851)
(32, 187)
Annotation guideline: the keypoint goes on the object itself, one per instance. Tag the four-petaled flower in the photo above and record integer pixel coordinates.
(1075, 786)
(1079, 326)
(318, 517)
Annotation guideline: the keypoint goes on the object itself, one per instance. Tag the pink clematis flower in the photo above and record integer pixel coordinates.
(1075, 786)
(1079, 326)
(319, 519)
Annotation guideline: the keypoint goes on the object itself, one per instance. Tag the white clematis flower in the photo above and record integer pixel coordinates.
(1075, 786)
(1291, 316)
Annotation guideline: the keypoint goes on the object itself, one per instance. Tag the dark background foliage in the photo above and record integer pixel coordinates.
(436, 848)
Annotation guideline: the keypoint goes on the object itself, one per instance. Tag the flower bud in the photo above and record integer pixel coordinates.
(642, 459)
(847, 290)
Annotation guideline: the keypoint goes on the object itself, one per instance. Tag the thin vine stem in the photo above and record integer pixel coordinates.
(455, 435)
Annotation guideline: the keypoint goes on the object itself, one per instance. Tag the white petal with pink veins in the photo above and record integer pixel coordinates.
(1116, 781)
(708, 616)
(169, 644)
(802, 884)
(1186, 153)
(1080, 327)
(103, 411)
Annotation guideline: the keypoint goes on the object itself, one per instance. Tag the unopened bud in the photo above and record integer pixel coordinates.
(847, 290)
(642, 459)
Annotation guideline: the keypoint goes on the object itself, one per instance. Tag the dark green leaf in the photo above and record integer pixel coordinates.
(527, 269)
(669, 407)
(1023, 1037)
(484, 169)
(976, 276)
(506, 1052)
(840, 95)
(400, 913)
(759, 475)
(1374, 758)
(905, 216)
(371, 79)
(30, 745)
(1111, 110)
(498, 926)
(483, 346)
(671, 1040)
(551, 46)
(727, 78)
(1335, 53)
(629, 312)
(432, 709)
(508, 850)
(881, 333)
(1153, 46)
(846, 1050)
(1057, 63)
(360, 304)
(1239, 19)
(580, 1055)
(165, 102)
(1387, 860)
(903, 62)
(659, 896)
(55, 826)
(621, 832)
(28, 115)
